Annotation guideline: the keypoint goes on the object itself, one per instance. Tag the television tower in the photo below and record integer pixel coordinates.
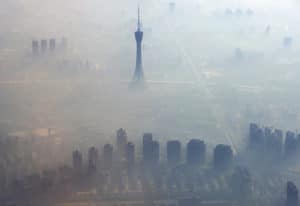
(138, 73)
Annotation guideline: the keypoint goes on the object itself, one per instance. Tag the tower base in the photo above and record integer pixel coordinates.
(137, 85)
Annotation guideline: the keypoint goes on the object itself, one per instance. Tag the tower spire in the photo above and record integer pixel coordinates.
(139, 18)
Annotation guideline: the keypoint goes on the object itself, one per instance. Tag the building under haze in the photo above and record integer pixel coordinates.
(150, 150)
(292, 198)
(173, 152)
(121, 142)
(275, 143)
(52, 45)
(107, 156)
(147, 142)
(256, 136)
(155, 154)
(130, 154)
(287, 42)
(92, 160)
(196, 150)
(44, 46)
(77, 161)
(223, 157)
(35, 47)
(290, 145)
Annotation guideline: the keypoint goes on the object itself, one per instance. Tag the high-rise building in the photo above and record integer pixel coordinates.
(290, 145)
(49, 132)
(249, 12)
(147, 147)
(64, 43)
(77, 161)
(292, 198)
(269, 140)
(253, 129)
(287, 41)
(223, 157)
(298, 142)
(256, 135)
(35, 47)
(228, 12)
(121, 142)
(196, 150)
(173, 152)
(172, 6)
(275, 145)
(52, 45)
(155, 154)
(108, 156)
(268, 132)
(268, 30)
(147, 137)
(278, 133)
(130, 154)
(139, 73)
(92, 160)
(150, 150)
(44, 46)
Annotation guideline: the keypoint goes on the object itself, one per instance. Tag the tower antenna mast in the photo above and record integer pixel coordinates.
(139, 18)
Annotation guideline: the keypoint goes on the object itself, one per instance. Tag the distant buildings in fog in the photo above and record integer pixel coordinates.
(130, 154)
(292, 196)
(45, 46)
(172, 6)
(223, 157)
(35, 48)
(108, 156)
(117, 174)
(77, 161)
(287, 42)
(196, 150)
(273, 143)
(92, 160)
(173, 152)
(151, 149)
(238, 12)
(121, 142)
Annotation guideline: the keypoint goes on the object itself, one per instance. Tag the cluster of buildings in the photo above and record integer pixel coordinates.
(238, 12)
(45, 46)
(125, 151)
(194, 174)
(120, 169)
(120, 172)
(273, 142)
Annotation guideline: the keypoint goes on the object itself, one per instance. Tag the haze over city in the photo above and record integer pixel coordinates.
(72, 73)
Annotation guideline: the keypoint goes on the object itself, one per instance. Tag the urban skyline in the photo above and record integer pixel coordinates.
(204, 94)
(115, 172)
